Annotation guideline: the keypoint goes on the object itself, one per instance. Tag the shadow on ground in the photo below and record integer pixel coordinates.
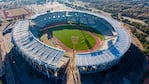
(22, 72)
(130, 69)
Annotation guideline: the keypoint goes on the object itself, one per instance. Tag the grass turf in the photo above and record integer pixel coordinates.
(65, 34)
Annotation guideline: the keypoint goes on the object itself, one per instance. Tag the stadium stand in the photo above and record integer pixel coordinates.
(101, 59)
(90, 62)
(35, 52)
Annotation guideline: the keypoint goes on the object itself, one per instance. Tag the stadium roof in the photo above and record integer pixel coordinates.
(50, 55)
(33, 48)
(115, 52)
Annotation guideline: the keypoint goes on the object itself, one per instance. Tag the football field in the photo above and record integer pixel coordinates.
(67, 33)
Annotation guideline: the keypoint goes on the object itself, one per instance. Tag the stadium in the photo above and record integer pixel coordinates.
(45, 41)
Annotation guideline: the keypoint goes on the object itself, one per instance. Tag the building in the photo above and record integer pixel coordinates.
(52, 62)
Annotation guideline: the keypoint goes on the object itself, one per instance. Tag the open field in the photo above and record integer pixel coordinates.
(10, 13)
(65, 33)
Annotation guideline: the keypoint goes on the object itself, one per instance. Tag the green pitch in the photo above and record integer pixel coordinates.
(65, 34)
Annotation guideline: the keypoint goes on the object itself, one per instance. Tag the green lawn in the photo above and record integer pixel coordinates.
(65, 34)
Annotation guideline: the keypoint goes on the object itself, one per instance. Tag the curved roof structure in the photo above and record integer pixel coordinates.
(42, 53)
(115, 51)
(33, 48)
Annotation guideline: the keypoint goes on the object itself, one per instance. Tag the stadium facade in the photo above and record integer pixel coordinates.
(52, 62)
